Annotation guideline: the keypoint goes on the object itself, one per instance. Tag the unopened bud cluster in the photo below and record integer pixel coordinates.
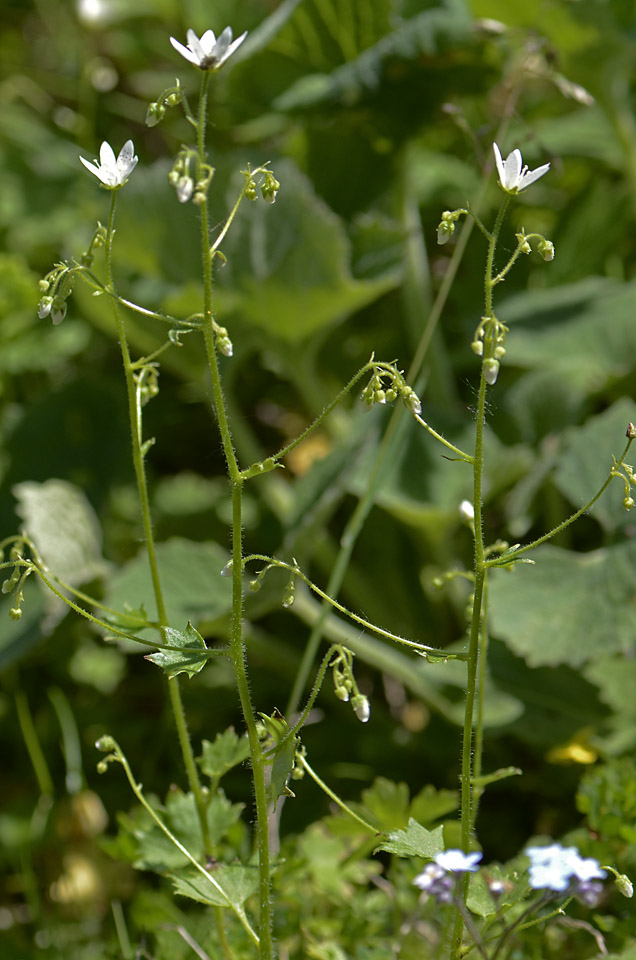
(187, 186)
(627, 474)
(157, 110)
(446, 227)
(57, 287)
(269, 186)
(15, 582)
(345, 686)
(545, 248)
(379, 391)
(488, 342)
(222, 340)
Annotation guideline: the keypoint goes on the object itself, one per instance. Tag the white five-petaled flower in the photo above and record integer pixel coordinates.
(513, 176)
(113, 171)
(208, 53)
(456, 861)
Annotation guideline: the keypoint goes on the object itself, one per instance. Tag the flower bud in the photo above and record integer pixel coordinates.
(499, 352)
(342, 693)
(105, 743)
(361, 708)
(154, 113)
(546, 249)
(174, 99)
(198, 198)
(624, 885)
(491, 371)
(44, 285)
(185, 189)
(477, 346)
(44, 307)
(15, 613)
(628, 503)
(228, 569)
(467, 511)
(630, 433)
(445, 231)
(270, 188)
(250, 190)
(58, 310)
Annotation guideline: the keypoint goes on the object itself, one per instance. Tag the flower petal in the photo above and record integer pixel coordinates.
(184, 51)
(512, 170)
(208, 42)
(107, 155)
(533, 175)
(499, 162)
(195, 45)
(232, 47)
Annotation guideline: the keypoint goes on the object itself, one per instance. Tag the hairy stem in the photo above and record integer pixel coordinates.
(237, 642)
(135, 418)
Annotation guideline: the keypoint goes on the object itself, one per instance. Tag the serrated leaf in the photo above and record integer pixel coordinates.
(414, 841)
(227, 751)
(155, 851)
(174, 662)
(568, 606)
(238, 883)
(431, 804)
(387, 803)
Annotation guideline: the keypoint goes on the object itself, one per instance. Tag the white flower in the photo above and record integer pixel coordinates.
(513, 176)
(113, 172)
(208, 53)
(553, 867)
(457, 861)
(467, 511)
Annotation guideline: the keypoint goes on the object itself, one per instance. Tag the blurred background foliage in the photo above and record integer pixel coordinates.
(376, 117)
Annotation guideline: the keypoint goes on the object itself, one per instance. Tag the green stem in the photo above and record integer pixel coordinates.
(507, 559)
(108, 743)
(135, 418)
(334, 796)
(36, 755)
(468, 758)
(414, 645)
(237, 643)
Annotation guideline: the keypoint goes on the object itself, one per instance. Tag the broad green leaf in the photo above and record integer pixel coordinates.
(190, 576)
(414, 841)
(227, 751)
(584, 330)
(586, 459)
(567, 607)
(64, 527)
(616, 679)
(607, 797)
(427, 34)
(238, 882)
(172, 662)
(288, 269)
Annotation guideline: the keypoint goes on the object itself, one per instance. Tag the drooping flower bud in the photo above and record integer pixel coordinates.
(546, 249)
(491, 371)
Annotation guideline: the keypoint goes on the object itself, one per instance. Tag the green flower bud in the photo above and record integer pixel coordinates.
(477, 346)
(361, 708)
(15, 613)
(445, 231)
(491, 371)
(624, 885)
(546, 249)
(628, 503)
